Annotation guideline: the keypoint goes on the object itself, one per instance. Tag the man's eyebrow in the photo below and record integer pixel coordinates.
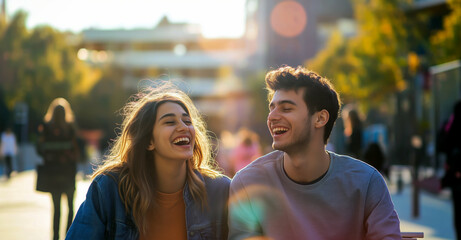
(282, 102)
(172, 115)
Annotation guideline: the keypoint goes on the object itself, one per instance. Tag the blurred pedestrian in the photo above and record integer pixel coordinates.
(451, 142)
(59, 149)
(8, 150)
(300, 190)
(374, 156)
(224, 146)
(247, 150)
(354, 134)
(158, 181)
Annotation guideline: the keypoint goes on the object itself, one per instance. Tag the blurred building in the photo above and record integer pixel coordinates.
(291, 32)
(215, 71)
(207, 69)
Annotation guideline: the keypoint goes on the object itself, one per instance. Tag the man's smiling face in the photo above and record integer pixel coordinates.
(289, 121)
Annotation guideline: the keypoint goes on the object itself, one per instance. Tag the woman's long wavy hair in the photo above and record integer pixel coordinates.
(130, 158)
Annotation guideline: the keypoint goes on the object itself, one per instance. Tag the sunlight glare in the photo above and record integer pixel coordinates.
(218, 18)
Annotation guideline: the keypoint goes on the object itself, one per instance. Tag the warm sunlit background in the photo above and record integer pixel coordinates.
(396, 64)
(218, 18)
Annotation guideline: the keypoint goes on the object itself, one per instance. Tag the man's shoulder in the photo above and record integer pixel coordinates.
(260, 168)
(353, 168)
(351, 162)
(268, 159)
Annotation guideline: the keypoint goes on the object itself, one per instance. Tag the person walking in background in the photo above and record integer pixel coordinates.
(224, 146)
(158, 181)
(451, 146)
(8, 150)
(300, 190)
(247, 150)
(58, 146)
(354, 134)
(374, 156)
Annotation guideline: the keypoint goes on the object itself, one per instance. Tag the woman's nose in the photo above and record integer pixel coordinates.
(182, 126)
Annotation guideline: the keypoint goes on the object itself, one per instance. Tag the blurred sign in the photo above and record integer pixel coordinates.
(20, 113)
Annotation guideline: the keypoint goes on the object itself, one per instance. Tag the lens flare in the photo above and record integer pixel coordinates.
(288, 19)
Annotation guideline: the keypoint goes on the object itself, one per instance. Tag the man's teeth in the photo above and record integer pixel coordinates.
(279, 130)
(183, 139)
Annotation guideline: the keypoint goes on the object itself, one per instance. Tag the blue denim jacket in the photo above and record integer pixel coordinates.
(102, 215)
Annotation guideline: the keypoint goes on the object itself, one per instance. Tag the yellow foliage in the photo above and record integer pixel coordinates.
(54, 59)
(386, 28)
(401, 86)
(413, 62)
(88, 79)
(334, 43)
(445, 43)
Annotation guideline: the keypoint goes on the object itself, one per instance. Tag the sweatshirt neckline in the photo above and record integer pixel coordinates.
(315, 183)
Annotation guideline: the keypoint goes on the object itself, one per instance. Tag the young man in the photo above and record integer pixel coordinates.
(300, 190)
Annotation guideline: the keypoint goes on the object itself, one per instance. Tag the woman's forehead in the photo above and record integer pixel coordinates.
(170, 108)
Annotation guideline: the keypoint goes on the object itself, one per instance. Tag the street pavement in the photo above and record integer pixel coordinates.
(435, 218)
(27, 214)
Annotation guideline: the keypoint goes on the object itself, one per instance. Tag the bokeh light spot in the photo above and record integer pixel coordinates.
(82, 54)
(288, 18)
(180, 50)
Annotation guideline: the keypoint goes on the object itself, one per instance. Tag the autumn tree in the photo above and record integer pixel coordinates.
(371, 66)
(378, 67)
(445, 44)
(39, 65)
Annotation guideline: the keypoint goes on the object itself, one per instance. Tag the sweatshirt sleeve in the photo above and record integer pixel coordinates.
(382, 221)
(243, 222)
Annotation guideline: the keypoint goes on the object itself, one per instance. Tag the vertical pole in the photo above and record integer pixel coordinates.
(416, 143)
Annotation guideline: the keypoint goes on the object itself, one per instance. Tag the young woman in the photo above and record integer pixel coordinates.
(58, 147)
(158, 181)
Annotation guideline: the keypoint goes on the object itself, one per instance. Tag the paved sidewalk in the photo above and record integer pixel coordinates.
(435, 216)
(435, 211)
(27, 214)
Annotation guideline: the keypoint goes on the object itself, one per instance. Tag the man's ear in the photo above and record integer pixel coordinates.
(321, 118)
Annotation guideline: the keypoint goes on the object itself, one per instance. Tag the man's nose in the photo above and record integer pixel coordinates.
(273, 115)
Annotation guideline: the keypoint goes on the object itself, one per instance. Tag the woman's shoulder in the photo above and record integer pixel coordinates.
(217, 189)
(107, 179)
(219, 180)
(105, 185)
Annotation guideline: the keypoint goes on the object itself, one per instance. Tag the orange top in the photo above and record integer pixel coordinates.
(168, 220)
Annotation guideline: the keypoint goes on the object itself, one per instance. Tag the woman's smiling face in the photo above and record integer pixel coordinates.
(173, 134)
